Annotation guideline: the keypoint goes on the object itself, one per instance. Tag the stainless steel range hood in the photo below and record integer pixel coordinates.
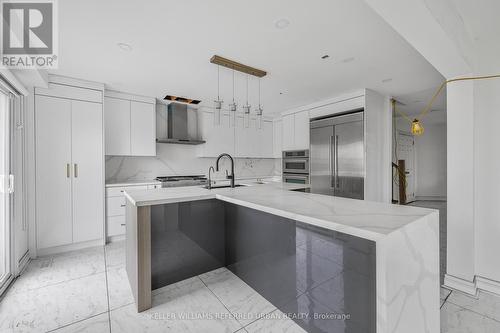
(177, 129)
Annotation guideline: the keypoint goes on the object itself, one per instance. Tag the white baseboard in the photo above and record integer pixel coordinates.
(118, 238)
(472, 288)
(488, 285)
(68, 248)
(455, 283)
(430, 198)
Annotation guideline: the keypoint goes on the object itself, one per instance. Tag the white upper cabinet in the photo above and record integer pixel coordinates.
(302, 130)
(117, 126)
(252, 141)
(295, 131)
(265, 135)
(277, 138)
(129, 125)
(142, 129)
(219, 138)
(237, 141)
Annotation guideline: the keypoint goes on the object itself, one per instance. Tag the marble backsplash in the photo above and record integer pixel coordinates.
(174, 160)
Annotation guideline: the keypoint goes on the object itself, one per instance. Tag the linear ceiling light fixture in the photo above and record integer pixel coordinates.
(416, 126)
(231, 64)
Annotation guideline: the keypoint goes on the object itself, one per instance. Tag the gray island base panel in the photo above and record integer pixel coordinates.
(376, 264)
(307, 272)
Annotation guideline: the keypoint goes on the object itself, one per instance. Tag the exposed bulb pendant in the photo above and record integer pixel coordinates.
(246, 110)
(232, 107)
(259, 111)
(416, 127)
(218, 103)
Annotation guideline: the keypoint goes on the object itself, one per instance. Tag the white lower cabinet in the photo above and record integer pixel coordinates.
(69, 171)
(115, 207)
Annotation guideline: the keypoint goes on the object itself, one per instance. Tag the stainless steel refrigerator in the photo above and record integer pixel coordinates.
(337, 156)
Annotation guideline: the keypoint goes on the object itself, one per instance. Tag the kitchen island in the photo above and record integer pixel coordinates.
(382, 260)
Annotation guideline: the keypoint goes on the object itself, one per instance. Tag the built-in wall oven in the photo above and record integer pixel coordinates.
(295, 178)
(296, 166)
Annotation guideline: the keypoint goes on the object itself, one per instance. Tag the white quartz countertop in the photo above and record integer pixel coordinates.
(365, 219)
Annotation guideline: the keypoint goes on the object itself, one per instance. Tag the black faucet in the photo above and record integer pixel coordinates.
(232, 167)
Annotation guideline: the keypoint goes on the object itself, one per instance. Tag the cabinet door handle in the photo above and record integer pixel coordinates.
(68, 170)
(122, 224)
(122, 205)
(75, 171)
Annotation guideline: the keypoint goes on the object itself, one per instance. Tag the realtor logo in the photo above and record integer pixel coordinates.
(29, 38)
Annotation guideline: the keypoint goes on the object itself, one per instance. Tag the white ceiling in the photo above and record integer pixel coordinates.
(172, 42)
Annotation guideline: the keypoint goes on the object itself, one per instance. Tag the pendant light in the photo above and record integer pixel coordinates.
(259, 111)
(232, 107)
(218, 102)
(246, 110)
(416, 127)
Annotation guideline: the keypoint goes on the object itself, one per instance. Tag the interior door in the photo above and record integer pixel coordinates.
(405, 150)
(5, 245)
(87, 169)
(321, 160)
(53, 171)
(349, 160)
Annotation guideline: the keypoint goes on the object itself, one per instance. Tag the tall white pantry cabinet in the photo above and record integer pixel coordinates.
(69, 165)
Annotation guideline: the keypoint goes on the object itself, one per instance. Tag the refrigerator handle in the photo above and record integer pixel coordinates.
(330, 162)
(337, 185)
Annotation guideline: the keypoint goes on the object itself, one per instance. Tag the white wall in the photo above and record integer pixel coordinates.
(458, 43)
(430, 151)
(173, 159)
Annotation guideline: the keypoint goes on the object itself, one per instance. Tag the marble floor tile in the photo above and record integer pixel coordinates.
(50, 270)
(96, 324)
(239, 298)
(54, 306)
(119, 291)
(455, 319)
(115, 254)
(186, 306)
(485, 304)
(278, 323)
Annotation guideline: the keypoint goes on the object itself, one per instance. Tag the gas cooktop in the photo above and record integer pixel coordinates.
(172, 181)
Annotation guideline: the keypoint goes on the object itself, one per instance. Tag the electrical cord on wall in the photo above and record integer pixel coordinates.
(427, 108)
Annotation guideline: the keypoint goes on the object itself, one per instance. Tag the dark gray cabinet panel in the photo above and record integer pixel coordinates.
(325, 279)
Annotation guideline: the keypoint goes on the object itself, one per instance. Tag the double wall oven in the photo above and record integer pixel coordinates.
(296, 166)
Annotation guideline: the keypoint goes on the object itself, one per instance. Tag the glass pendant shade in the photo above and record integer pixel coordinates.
(259, 116)
(232, 107)
(416, 127)
(246, 115)
(217, 112)
(218, 102)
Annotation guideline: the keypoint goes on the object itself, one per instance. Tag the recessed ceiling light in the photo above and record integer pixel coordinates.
(386, 80)
(326, 56)
(282, 23)
(125, 47)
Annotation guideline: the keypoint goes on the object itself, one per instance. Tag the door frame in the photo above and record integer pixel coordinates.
(402, 132)
(8, 215)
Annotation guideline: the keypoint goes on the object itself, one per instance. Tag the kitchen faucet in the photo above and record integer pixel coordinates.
(231, 176)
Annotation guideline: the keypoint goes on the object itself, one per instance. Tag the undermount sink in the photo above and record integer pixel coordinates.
(222, 186)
